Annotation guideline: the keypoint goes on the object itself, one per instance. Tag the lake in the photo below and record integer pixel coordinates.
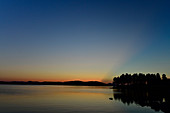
(65, 99)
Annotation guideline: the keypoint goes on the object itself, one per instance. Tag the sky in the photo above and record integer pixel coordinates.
(60, 40)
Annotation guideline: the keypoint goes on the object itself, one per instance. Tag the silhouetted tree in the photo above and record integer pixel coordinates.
(164, 77)
(158, 77)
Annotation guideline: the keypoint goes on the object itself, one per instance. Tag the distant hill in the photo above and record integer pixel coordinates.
(78, 83)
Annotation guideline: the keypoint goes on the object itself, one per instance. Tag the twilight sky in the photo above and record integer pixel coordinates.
(83, 39)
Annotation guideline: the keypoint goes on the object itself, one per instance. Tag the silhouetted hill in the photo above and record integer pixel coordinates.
(79, 83)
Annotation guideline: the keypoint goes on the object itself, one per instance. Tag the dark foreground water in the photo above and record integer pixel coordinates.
(65, 99)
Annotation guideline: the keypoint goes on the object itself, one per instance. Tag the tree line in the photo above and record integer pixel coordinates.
(139, 79)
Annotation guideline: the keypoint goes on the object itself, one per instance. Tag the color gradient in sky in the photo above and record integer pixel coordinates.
(57, 40)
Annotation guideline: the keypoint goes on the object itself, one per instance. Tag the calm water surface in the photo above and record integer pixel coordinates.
(63, 99)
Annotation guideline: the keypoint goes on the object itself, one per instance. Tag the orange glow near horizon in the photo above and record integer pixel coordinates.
(51, 77)
(49, 80)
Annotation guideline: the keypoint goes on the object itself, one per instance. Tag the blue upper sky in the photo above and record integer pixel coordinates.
(83, 39)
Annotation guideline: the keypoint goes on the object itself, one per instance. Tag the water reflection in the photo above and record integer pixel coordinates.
(158, 100)
(64, 99)
(54, 99)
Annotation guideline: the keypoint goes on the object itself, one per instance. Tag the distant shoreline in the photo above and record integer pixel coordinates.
(75, 83)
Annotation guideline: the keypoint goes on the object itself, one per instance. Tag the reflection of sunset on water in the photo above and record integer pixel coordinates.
(36, 99)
